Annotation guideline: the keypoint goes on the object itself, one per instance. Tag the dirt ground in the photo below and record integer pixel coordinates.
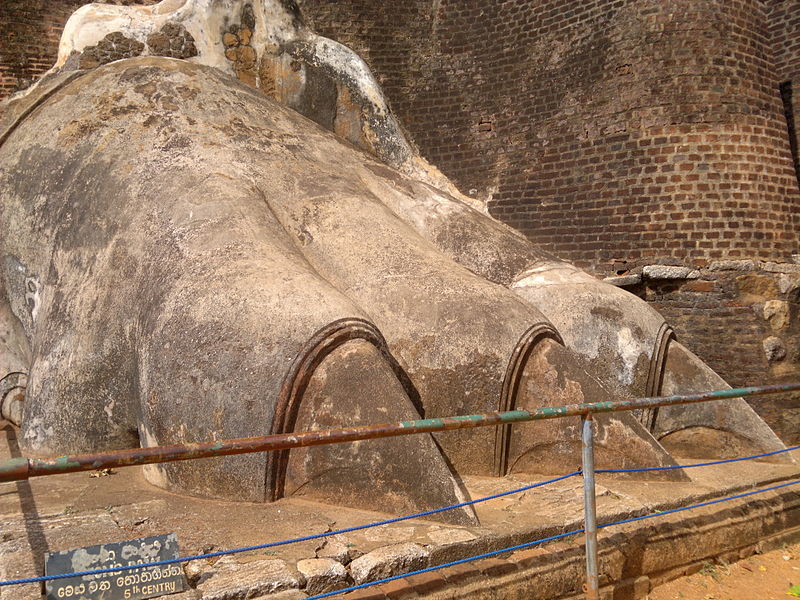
(769, 576)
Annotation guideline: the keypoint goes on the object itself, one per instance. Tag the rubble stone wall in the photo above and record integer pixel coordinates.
(743, 318)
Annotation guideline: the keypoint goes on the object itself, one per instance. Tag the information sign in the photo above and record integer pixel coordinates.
(128, 584)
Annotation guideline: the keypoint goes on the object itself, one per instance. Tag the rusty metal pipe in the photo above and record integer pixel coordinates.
(589, 508)
(23, 468)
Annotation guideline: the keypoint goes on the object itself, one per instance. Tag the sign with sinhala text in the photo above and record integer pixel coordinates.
(129, 584)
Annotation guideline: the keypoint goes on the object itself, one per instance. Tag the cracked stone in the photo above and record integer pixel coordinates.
(338, 551)
(323, 575)
(388, 561)
(173, 41)
(230, 580)
(115, 46)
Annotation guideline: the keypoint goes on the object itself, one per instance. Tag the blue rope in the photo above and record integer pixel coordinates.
(450, 564)
(706, 464)
(549, 539)
(421, 515)
(285, 542)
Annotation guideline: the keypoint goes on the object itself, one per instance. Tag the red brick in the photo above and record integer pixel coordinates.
(528, 558)
(370, 593)
(397, 589)
(496, 567)
(460, 573)
(426, 583)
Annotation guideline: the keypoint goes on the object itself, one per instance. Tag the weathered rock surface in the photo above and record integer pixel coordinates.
(777, 313)
(669, 272)
(323, 575)
(388, 561)
(337, 550)
(733, 265)
(623, 280)
(257, 287)
(774, 349)
(230, 580)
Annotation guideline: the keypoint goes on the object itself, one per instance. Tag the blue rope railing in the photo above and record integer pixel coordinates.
(306, 538)
(543, 540)
(427, 513)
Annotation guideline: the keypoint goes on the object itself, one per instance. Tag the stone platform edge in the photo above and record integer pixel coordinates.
(634, 558)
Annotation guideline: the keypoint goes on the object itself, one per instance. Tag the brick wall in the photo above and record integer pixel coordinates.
(29, 34)
(784, 32)
(606, 129)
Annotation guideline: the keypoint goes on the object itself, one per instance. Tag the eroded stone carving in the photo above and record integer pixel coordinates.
(115, 46)
(265, 44)
(207, 263)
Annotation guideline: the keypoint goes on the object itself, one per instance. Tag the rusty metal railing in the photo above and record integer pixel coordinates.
(20, 468)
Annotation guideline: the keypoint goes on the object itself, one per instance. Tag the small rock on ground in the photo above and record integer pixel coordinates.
(338, 551)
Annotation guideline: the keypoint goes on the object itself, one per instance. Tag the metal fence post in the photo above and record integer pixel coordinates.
(589, 508)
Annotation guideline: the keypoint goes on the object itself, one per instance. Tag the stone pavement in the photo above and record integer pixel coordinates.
(67, 511)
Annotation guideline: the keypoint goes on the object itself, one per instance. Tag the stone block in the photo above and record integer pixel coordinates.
(230, 580)
(757, 285)
(388, 561)
(733, 265)
(777, 313)
(323, 575)
(669, 272)
(773, 267)
(338, 551)
(624, 280)
(774, 349)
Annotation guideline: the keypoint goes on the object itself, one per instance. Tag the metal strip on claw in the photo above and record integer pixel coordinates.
(508, 395)
(12, 394)
(655, 375)
(321, 344)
